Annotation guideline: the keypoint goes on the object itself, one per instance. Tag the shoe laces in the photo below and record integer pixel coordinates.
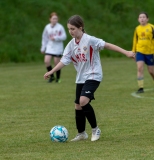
(77, 135)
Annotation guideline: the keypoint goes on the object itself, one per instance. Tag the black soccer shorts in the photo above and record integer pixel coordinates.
(86, 89)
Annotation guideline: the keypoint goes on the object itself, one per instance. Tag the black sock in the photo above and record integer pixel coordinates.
(58, 74)
(49, 68)
(90, 115)
(80, 121)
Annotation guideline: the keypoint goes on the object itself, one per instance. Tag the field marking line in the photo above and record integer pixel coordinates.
(141, 95)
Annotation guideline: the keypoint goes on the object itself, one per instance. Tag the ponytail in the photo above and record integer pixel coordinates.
(83, 30)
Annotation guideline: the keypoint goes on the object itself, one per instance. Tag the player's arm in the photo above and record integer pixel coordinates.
(44, 40)
(135, 38)
(56, 68)
(115, 48)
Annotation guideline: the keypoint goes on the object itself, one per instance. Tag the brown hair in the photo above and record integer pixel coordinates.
(76, 21)
(53, 14)
(144, 14)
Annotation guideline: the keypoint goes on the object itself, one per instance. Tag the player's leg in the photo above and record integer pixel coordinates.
(151, 71)
(47, 61)
(90, 115)
(79, 116)
(58, 73)
(140, 74)
(87, 95)
(80, 124)
(88, 111)
(150, 65)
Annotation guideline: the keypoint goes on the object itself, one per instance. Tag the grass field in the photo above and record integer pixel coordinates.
(30, 107)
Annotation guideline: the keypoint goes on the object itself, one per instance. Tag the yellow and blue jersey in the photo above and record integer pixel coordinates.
(153, 38)
(143, 41)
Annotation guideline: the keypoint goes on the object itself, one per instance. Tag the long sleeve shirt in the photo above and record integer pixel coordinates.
(143, 39)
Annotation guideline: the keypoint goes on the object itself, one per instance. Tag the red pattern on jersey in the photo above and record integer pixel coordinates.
(73, 60)
(91, 54)
(81, 57)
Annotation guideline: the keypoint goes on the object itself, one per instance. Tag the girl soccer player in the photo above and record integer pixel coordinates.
(83, 51)
(143, 47)
(52, 44)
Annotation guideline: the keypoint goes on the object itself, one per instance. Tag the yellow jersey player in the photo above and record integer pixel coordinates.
(143, 47)
(152, 27)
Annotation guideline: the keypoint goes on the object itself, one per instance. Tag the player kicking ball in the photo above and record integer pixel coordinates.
(83, 51)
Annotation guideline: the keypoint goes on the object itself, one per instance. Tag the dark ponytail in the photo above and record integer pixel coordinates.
(83, 30)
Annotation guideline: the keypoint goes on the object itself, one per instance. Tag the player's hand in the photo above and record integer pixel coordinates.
(52, 38)
(131, 54)
(47, 75)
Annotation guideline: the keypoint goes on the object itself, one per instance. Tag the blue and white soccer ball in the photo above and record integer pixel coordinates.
(59, 134)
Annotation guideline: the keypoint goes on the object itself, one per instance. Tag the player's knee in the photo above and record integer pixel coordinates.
(84, 101)
(47, 62)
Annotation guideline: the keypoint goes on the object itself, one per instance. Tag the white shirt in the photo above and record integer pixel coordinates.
(85, 57)
(53, 47)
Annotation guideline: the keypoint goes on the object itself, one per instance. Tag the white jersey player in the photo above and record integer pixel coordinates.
(52, 44)
(83, 51)
(85, 57)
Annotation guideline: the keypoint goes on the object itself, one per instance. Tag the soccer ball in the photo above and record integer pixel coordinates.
(59, 134)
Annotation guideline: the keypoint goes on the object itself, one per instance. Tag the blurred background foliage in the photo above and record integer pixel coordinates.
(22, 23)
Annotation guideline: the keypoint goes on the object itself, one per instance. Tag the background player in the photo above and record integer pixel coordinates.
(143, 46)
(52, 44)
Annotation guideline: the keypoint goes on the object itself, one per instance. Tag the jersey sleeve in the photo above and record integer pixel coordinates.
(152, 27)
(61, 35)
(97, 43)
(66, 58)
(45, 40)
(135, 38)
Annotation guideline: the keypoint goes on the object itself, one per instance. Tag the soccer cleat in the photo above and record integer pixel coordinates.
(51, 79)
(140, 90)
(58, 80)
(95, 134)
(80, 136)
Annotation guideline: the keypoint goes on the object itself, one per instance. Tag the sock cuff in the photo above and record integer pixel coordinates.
(49, 68)
(87, 108)
(93, 129)
(140, 78)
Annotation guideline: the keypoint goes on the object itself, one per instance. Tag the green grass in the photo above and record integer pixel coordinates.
(30, 107)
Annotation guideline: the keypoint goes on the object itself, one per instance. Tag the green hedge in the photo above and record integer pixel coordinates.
(22, 23)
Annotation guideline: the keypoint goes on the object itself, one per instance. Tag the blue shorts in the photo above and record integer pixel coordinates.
(148, 59)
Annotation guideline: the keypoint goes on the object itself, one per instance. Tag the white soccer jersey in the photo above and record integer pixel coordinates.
(85, 57)
(53, 47)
